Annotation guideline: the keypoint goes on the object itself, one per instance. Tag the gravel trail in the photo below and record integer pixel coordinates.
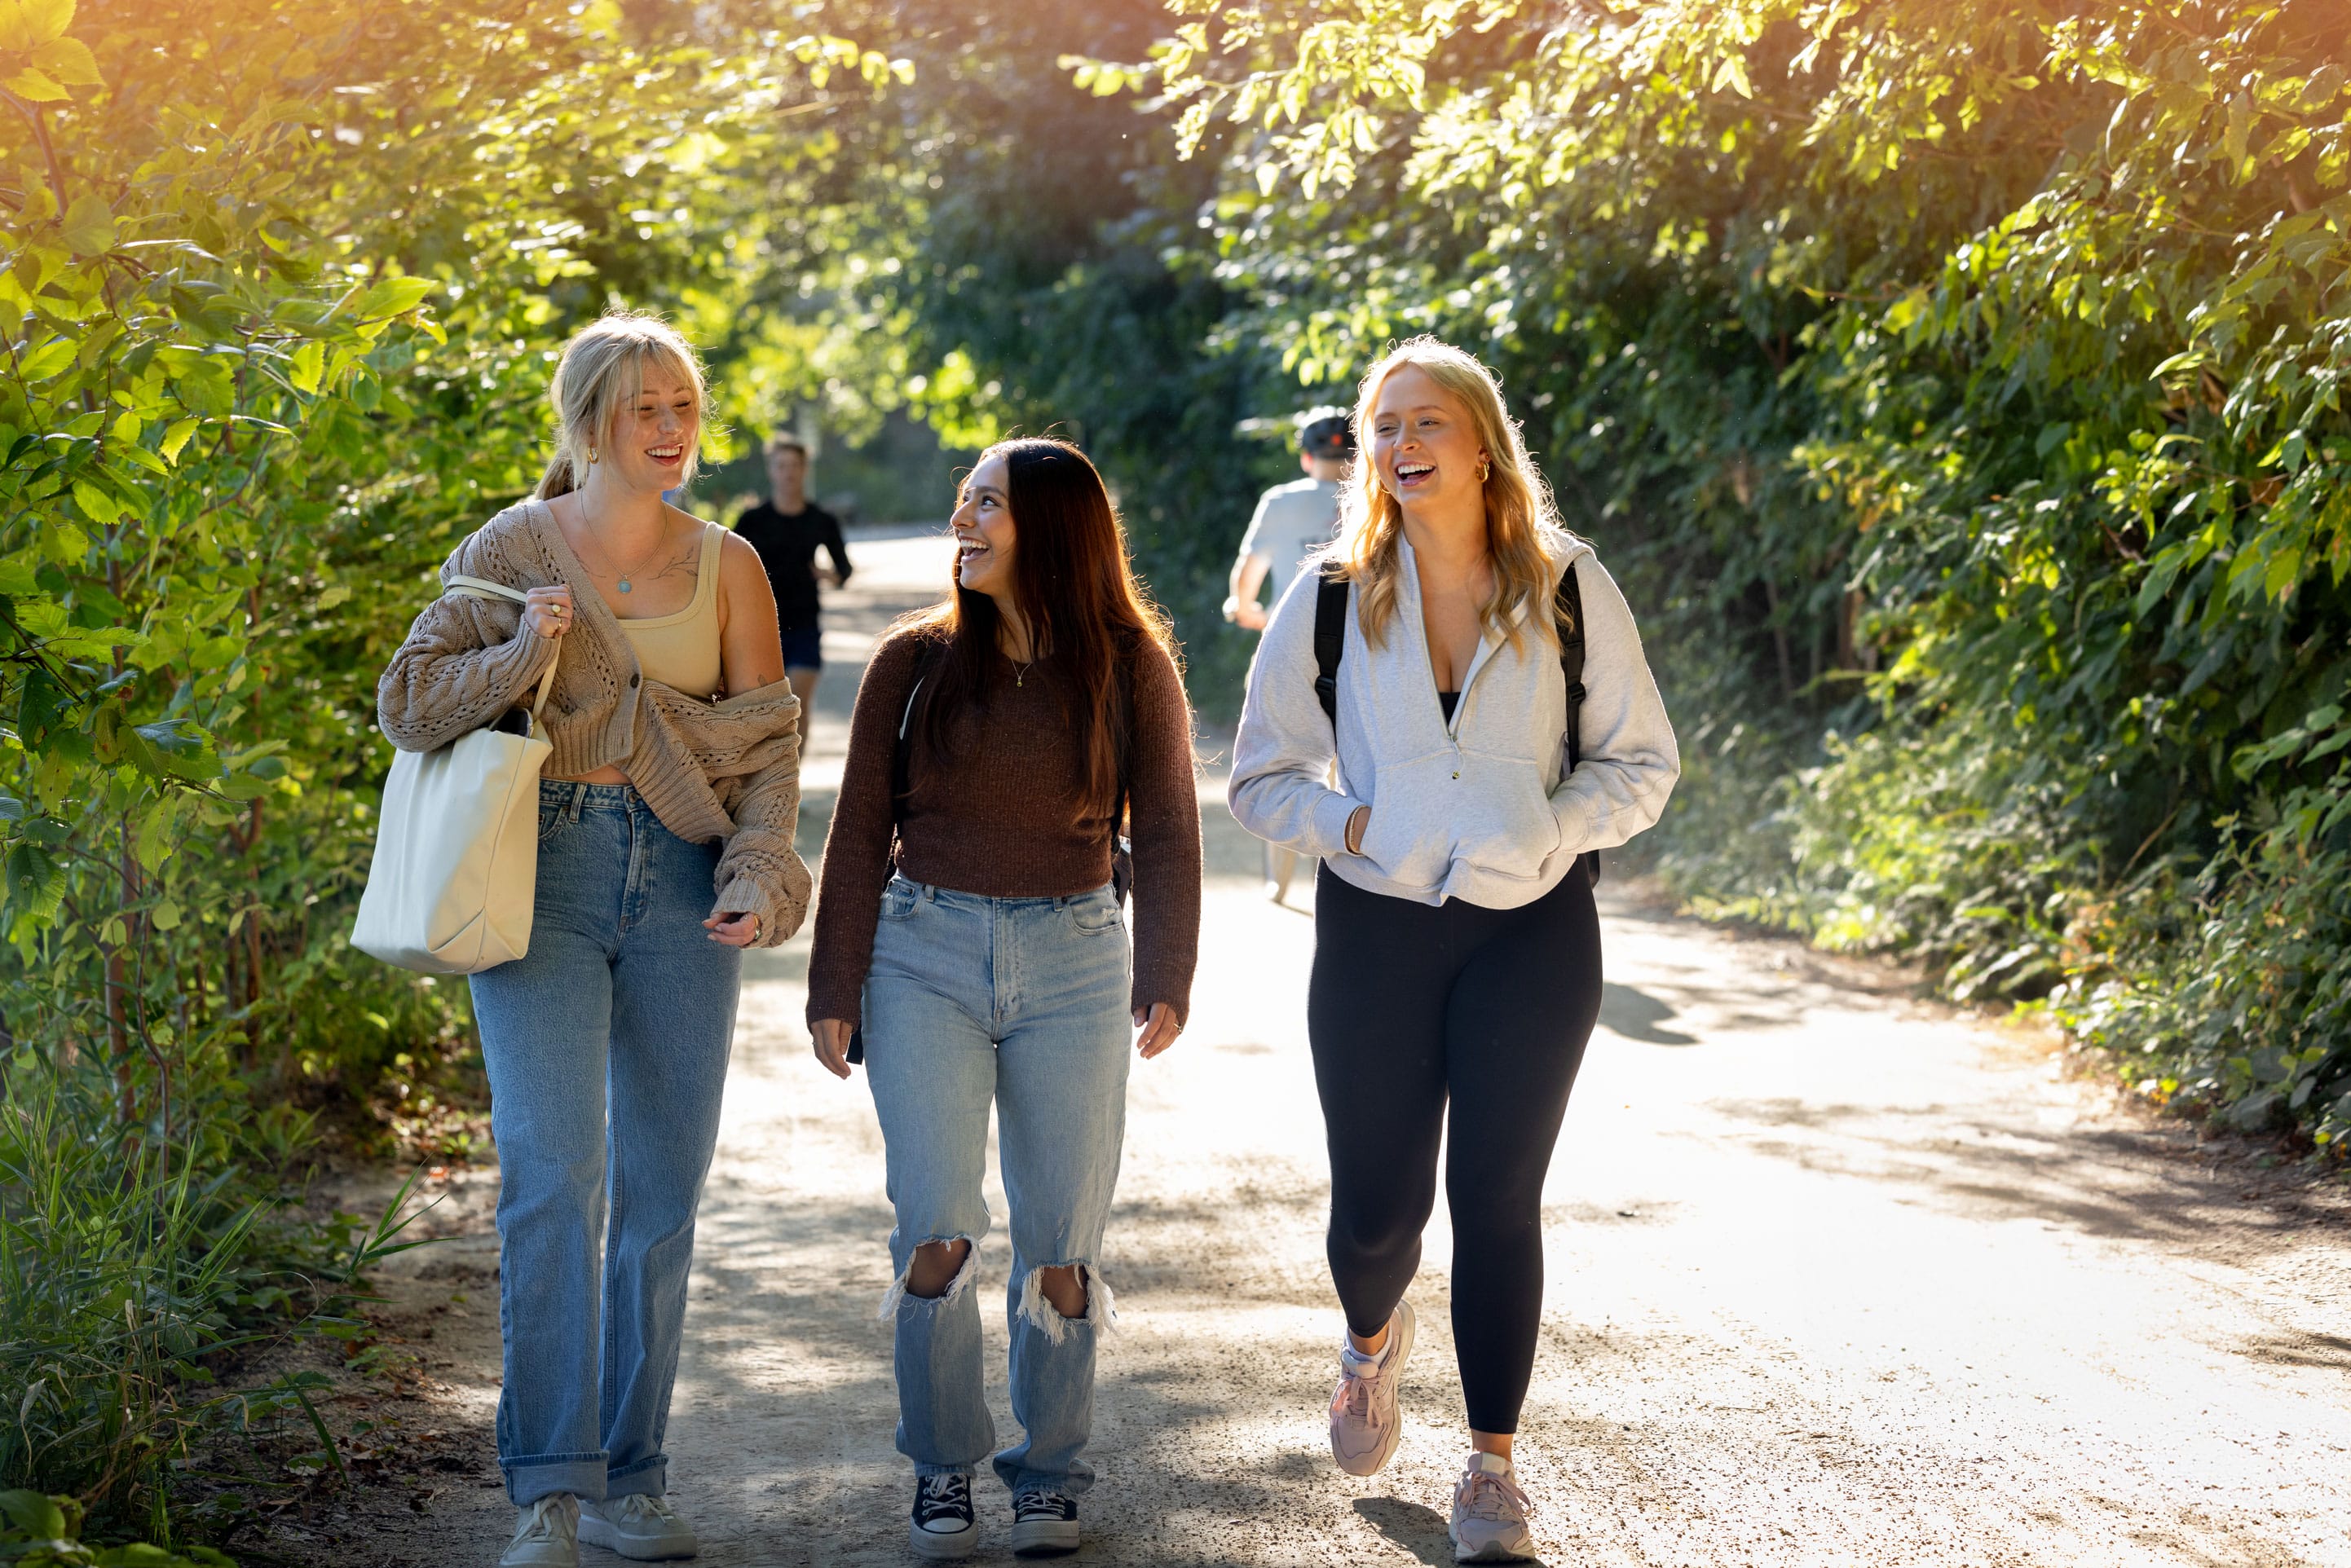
(1836, 1276)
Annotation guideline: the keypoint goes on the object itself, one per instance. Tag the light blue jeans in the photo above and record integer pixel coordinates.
(606, 1048)
(1021, 1002)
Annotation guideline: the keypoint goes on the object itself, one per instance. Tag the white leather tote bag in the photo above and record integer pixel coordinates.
(457, 848)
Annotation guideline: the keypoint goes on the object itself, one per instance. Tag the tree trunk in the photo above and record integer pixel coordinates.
(1780, 639)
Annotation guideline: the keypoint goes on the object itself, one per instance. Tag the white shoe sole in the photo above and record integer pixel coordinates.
(940, 1547)
(1045, 1538)
(1401, 1348)
(539, 1559)
(1494, 1550)
(595, 1531)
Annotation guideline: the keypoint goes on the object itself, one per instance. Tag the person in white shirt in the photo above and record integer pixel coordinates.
(1292, 521)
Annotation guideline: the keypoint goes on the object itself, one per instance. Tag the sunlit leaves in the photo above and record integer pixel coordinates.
(38, 62)
(824, 54)
(69, 61)
(278, 328)
(89, 226)
(1970, 372)
(393, 296)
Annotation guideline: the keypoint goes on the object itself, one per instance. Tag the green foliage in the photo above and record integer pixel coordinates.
(265, 379)
(38, 1532)
(132, 1268)
(2261, 933)
(280, 286)
(1006, 250)
(1959, 384)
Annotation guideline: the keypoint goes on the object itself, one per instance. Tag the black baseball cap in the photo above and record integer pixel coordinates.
(1330, 436)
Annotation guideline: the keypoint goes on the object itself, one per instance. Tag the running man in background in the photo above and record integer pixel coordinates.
(786, 529)
(1292, 521)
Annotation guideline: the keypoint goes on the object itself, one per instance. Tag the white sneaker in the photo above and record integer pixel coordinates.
(1364, 1427)
(546, 1535)
(645, 1528)
(1489, 1514)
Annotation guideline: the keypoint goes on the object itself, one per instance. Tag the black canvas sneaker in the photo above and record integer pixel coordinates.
(943, 1525)
(1044, 1524)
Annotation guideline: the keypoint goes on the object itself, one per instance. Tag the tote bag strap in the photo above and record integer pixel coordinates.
(483, 589)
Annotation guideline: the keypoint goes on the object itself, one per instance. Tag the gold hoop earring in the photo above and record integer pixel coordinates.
(591, 457)
(1485, 467)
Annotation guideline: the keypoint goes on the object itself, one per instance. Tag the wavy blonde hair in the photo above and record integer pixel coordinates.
(1523, 528)
(603, 367)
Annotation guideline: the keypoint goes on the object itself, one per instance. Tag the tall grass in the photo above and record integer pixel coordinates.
(135, 1267)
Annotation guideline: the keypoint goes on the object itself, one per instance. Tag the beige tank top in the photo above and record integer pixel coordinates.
(680, 651)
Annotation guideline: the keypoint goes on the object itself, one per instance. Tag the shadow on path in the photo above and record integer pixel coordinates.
(1636, 1016)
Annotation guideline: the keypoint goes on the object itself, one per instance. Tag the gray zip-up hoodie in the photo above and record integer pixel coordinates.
(1475, 809)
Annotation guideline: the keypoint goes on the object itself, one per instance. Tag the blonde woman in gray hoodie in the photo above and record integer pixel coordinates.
(1457, 958)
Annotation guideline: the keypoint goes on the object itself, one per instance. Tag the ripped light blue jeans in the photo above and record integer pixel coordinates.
(1021, 1003)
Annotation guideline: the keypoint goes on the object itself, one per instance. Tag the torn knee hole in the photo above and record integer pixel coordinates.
(954, 1251)
(936, 1264)
(1094, 1305)
(1057, 1285)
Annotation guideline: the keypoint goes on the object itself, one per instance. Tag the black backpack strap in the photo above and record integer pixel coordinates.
(1122, 832)
(1567, 614)
(1329, 640)
(927, 658)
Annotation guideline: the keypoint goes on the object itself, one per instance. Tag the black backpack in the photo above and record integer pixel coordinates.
(1567, 614)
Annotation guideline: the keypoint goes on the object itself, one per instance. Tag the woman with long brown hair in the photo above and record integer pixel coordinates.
(998, 740)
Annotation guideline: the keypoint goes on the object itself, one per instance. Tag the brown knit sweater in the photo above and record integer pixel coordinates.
(727, 770)
(1004, 819)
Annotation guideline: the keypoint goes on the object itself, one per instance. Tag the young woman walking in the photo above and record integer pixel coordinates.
(1456, 958)
(996, 739)
(666, 819)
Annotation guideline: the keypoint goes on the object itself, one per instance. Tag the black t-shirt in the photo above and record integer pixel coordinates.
(787, 546)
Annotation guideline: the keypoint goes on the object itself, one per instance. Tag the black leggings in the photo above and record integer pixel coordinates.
(1410, 1005)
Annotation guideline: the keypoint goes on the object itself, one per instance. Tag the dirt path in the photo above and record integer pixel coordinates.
(1835, 1277)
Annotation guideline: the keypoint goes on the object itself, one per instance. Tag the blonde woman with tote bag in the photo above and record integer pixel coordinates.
(666, 815)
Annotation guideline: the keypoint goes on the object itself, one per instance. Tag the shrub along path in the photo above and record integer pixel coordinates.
(1836, 1275)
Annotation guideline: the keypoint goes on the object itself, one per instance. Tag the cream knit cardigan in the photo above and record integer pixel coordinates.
(726, 770)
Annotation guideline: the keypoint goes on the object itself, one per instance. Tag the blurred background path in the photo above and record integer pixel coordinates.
(1836, 1276)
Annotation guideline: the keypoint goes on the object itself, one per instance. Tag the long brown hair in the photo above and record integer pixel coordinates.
(1523, 528)
(1077, 591)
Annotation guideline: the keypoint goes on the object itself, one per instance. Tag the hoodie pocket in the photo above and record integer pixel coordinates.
(1408, 840)
(1504, 825)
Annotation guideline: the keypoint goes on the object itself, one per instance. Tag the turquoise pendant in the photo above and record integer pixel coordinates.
(624, 584)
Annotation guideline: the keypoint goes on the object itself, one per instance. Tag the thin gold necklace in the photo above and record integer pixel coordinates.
(621, 582)
(1020, 666)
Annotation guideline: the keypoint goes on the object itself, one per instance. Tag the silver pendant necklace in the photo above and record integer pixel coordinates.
(621, 582)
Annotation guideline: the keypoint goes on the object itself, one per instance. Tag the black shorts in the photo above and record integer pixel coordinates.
(803, 647)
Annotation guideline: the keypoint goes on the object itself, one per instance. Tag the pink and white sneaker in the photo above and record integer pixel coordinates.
(1489, 1514)
(1364, 1427)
